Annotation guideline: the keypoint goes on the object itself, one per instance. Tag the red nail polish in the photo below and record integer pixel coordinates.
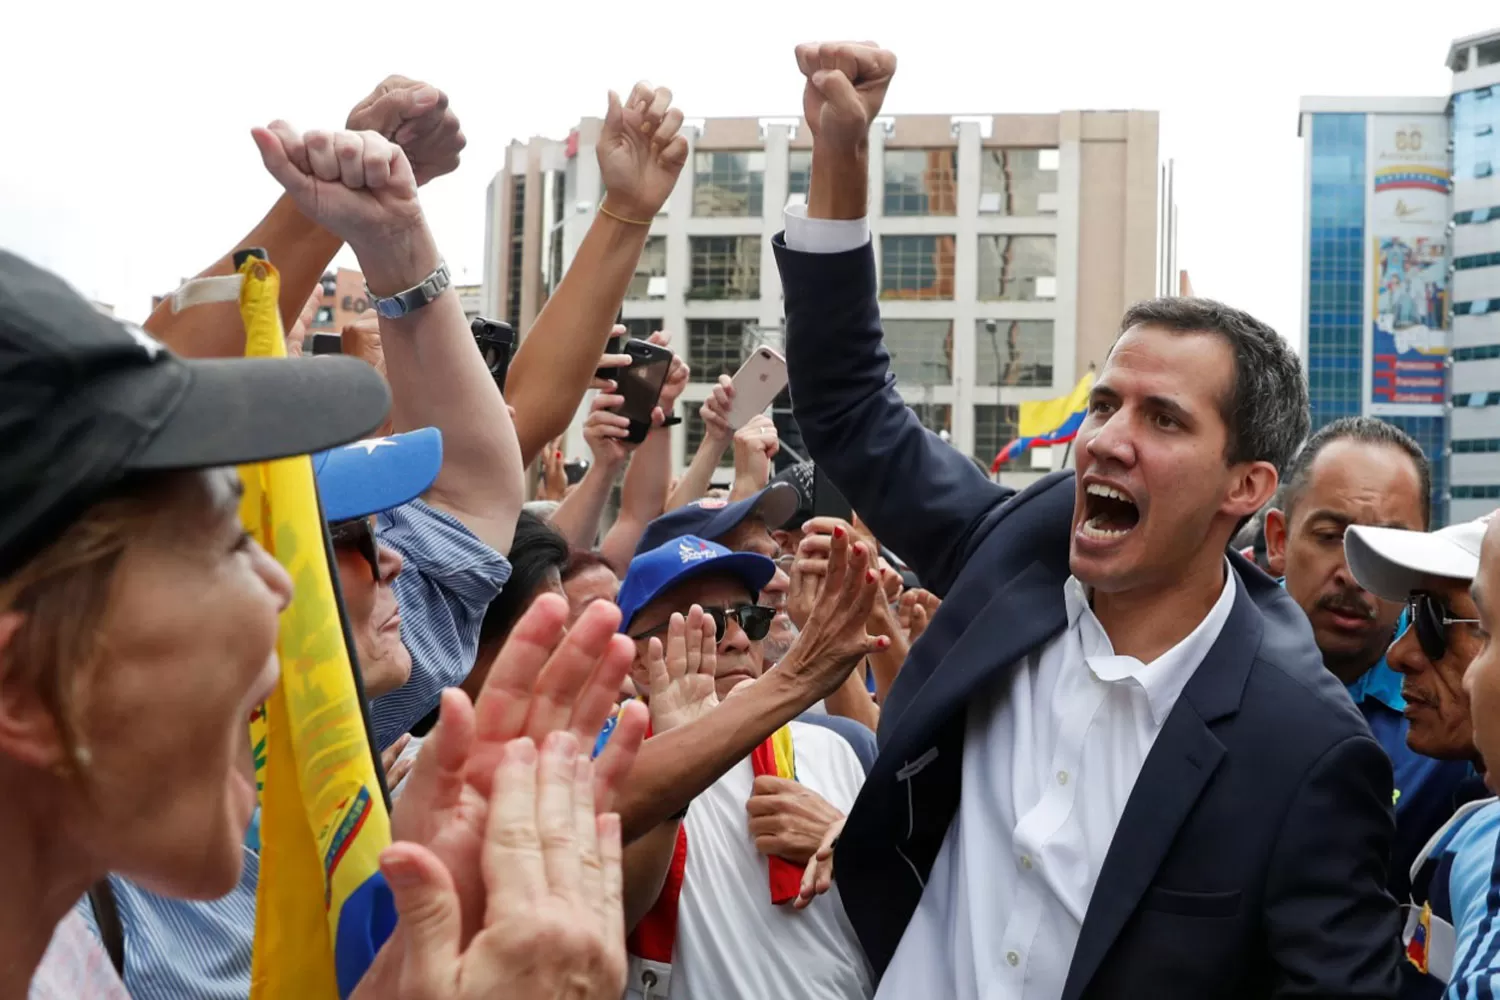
(869, 577)
(884, 643)
(838, 532)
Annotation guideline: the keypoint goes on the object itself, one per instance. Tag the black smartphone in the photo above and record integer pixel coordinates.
(574, 470)
(327, 343)
(613, 347)
(827, 500)
(497, 342)
(641, 384)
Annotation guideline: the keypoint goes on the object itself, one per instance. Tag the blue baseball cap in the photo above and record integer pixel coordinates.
(653, 573)
(376, 474)
(711, 518)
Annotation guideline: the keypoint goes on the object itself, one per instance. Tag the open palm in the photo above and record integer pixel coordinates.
(682, 675)
(640, 152)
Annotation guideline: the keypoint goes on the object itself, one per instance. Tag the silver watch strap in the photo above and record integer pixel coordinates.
(409, 301)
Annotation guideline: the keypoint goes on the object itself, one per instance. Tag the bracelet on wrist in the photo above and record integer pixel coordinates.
(620, 218)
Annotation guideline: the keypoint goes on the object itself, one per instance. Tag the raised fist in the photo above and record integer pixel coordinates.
(415, 116)
(846, 84)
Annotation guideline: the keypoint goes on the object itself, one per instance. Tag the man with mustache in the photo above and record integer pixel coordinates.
(1363, 471)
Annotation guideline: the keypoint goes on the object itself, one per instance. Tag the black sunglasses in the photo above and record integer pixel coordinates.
(357, 534)
(1430, 618)
(755, 619)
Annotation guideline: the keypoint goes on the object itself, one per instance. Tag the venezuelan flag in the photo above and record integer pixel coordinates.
(1049, 421)
(322, 909)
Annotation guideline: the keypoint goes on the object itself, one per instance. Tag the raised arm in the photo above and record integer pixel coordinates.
(360, 186)
(921, 496)
(411, 113)
(640, 156)
(716, 437)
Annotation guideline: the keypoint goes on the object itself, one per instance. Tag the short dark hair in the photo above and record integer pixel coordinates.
(536, 549)
(581, 561)
(1366, 430)
(1266, 410)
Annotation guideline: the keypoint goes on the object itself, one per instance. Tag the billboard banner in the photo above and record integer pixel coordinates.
(1407, 279)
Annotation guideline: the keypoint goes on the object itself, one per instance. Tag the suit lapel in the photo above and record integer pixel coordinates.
(1018, 618)
(1177, 770)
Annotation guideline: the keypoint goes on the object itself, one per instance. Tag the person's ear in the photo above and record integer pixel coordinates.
(1276, 528)
(29, 730)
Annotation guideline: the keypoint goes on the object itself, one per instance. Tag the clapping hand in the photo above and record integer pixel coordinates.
(682, 675)
(835, 640)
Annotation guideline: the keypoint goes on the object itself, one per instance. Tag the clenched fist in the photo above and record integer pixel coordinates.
(415, 116)
(846, 85)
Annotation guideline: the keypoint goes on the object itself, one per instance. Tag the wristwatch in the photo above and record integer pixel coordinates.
(409, 301)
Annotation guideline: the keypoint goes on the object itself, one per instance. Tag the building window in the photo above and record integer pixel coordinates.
(994, 428)
(1017, 268)
(324, 316)
(728, 184)
(1013, 352)
(1467, 492)
(1486, 353)
(1476, 446)
(798, 175)
(936, 417)
(653, 264)
(921, 350)
(329, 284)
(921, 181)
(916, 267)
(1477, 307)
(1476, 146)
(1013, 181)
(719, 346)
(641, 328)
(724, 267)
(517, 250)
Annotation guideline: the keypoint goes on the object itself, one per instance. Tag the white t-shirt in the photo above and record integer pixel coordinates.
(732, 943)
(75, 966)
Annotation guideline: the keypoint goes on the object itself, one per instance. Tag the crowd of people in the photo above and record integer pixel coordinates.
(1116, 758)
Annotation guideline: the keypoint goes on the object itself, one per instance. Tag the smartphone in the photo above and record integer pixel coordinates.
(641, 384)
(756, 386)
(327, 343)
(615, 345)
(497, 342)
(827, 500)
(574, 470)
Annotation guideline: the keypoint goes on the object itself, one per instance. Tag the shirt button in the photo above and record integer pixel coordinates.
(1026, 862)
(1062, 777)
(1013, 958)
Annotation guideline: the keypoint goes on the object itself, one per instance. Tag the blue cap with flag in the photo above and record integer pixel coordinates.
(653, 573)
(711, 518)
(376, 474)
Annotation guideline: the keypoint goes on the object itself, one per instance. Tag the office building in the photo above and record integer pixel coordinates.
(1401, 290)
(1007, 247)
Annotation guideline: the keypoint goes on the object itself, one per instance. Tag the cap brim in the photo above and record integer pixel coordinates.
(376, 474)
(1391, 563)
(750, 568)
(777, 504)
(239, 410)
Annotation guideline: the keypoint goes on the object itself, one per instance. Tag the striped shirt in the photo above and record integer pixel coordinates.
(176, 949)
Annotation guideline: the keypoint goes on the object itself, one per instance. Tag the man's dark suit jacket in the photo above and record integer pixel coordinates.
(1250, 860)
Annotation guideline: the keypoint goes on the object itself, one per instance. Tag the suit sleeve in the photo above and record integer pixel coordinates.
(920, 496)
(1331, 927)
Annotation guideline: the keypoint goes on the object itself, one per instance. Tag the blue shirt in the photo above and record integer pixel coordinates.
(177, 949)
(1473, 889)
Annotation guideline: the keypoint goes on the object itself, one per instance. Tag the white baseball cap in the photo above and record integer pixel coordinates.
(1391, 563)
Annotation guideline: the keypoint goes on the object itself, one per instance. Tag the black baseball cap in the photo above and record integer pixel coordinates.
(86, 400)
(800, 478)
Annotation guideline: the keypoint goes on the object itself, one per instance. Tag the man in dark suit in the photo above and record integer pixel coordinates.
(1114, 766)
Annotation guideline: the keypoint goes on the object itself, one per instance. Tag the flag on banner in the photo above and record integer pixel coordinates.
(321, 907)
(1048, 421)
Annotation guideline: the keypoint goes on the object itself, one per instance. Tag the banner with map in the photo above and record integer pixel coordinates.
(1406, 215)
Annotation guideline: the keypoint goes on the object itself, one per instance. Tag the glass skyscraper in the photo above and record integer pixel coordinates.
(1344, 139)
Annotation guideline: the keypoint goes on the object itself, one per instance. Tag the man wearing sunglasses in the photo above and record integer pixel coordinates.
(1445, 939)
(725, 936)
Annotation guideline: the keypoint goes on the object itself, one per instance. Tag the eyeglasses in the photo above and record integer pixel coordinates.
(755, 619)
(1430, 618)
(358, 535)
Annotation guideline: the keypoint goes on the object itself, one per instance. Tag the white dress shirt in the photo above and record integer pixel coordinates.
(1050, 759)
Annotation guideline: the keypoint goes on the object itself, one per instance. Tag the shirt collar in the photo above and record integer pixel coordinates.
(1164, 677)
(1380, 682)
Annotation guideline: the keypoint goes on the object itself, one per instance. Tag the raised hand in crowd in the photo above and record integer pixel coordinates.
(554, 484)
(549, 887)
(579, 515)
(682, 673)
(852, 698)
(694, 482)
(610, 361)
(755, 448)
(788, 819)
(915, 610)
(299, 330)
(415, 116)
(640, 155)
(544, 680)
(835, 639)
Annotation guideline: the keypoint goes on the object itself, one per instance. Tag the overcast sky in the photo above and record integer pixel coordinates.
(126, 162)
